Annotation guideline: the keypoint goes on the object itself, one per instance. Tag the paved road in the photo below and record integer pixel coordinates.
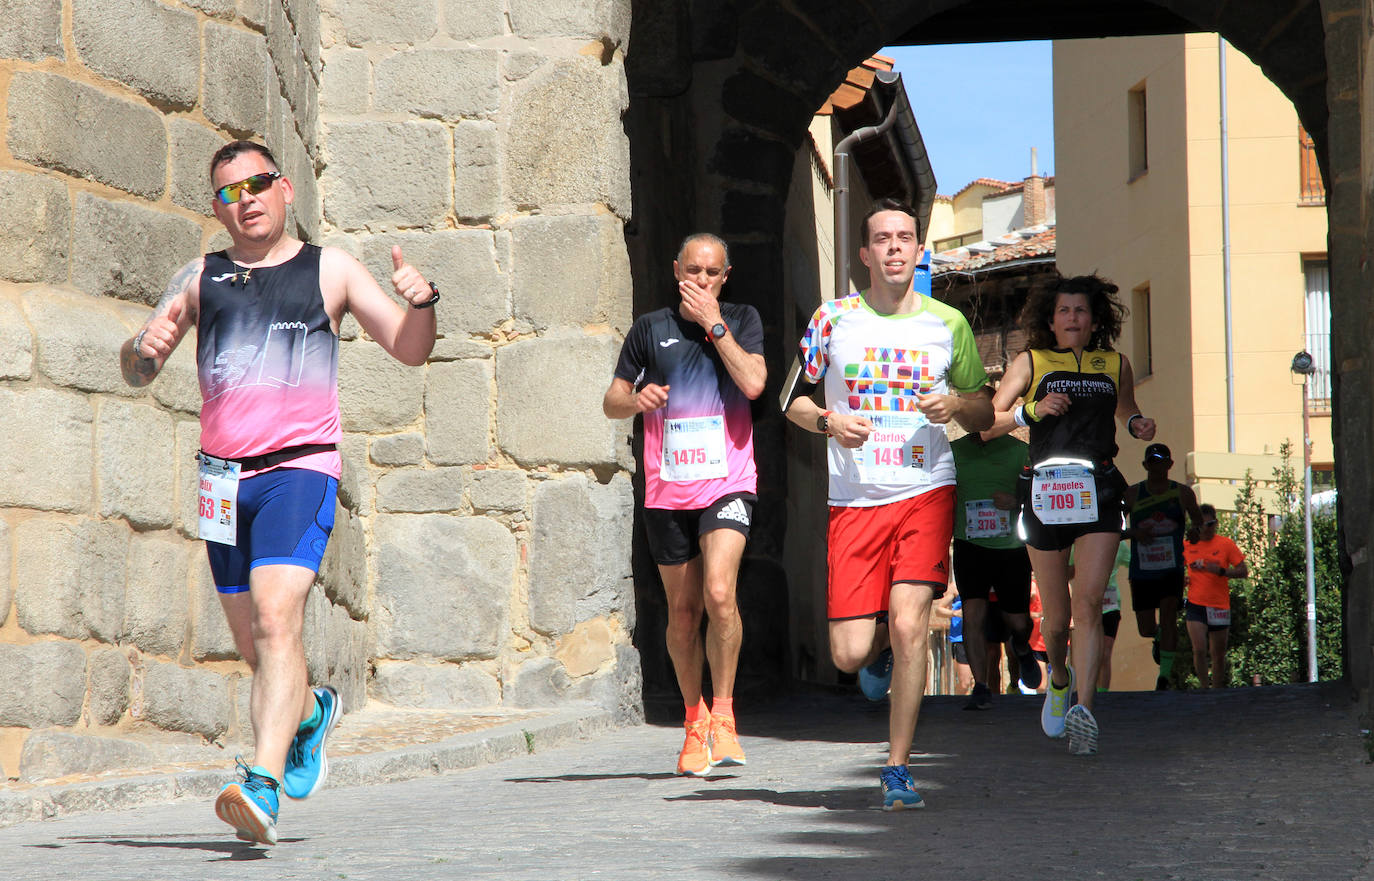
(1253, 783)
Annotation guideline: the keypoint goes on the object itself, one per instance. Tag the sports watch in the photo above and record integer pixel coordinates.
(718, 331)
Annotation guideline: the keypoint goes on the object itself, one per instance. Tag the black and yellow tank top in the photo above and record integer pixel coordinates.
(1091, 380)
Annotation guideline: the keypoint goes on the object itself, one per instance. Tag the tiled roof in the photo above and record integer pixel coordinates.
(1035, 241)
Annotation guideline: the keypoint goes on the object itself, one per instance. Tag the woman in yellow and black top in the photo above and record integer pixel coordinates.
(1074, 388)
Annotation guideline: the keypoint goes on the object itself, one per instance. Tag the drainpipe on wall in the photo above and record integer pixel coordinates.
(898, 123)
(1226, 254)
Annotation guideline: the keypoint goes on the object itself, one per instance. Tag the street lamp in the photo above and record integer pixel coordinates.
(1304, 366)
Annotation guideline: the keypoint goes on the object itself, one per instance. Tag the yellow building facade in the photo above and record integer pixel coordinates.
(1139, 173)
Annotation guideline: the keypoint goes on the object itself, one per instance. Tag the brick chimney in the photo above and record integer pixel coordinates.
(1033, 200)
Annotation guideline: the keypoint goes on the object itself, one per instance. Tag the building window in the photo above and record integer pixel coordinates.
(1318, 343)
(1311, 190)
(1141, 361)
(1139, 144)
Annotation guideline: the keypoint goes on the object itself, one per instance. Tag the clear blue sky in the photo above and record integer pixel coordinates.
(980, 108)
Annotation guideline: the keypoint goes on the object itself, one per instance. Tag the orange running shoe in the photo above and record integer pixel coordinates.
(725, 748)
(695, 759)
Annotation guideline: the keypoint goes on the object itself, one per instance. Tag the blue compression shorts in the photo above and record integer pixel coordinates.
(285, 516)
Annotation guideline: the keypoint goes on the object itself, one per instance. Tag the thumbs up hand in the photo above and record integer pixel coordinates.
(410, 285)
(160, 335)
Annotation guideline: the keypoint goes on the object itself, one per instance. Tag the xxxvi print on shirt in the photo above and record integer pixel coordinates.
(888, 380)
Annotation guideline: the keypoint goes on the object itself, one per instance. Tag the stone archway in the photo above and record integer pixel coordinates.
(721, 92)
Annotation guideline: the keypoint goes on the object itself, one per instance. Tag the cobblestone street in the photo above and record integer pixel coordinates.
(1255, 783)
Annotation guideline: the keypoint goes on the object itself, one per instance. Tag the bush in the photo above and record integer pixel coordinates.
(1269, 609)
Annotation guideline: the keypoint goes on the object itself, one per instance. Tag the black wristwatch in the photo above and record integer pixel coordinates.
(718, 331)
(823, 422)
(434, 289)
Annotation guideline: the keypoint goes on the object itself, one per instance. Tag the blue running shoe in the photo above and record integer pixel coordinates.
(899, 793)
(876, 678)
(250, 806)
(1056, 706)
(306, 765)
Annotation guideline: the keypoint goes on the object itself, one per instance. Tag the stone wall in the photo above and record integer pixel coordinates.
(481, 552)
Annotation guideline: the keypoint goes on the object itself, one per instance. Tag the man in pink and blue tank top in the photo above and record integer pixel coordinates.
(266, 312)
(691, 371)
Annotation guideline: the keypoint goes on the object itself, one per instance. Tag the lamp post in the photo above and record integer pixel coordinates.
(1303, 366)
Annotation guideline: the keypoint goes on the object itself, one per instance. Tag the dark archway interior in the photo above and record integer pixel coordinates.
(721, 95)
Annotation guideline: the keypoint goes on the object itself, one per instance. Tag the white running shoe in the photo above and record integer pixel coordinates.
(1056, 706)
(1082, 728)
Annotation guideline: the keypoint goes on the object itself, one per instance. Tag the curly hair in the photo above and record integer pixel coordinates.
(1108, 314)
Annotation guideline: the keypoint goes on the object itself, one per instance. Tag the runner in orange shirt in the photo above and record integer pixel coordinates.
(1212, 561)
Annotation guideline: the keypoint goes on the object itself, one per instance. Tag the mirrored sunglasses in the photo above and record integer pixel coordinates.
(230, 193)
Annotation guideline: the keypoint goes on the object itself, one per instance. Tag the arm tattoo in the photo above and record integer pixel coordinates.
(139, 371)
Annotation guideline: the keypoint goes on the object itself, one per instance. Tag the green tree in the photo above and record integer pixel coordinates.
(1269, 609)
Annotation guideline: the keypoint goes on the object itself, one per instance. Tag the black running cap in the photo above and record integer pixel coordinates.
(1158, 451)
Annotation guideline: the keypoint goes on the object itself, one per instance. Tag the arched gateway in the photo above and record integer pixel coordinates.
(721, 93)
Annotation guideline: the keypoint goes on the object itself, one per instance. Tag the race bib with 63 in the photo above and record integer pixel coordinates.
(219, 493)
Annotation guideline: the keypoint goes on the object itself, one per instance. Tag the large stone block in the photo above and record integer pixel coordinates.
(447, 84)
(420, 490)
(443, 586)
(217, 8)
(36, 236)
(32, 31)
(591, 19)
(588, 648)
(71, 578)
(78, 339)
(562, 372)
(464, 264)
(474, 19)
(569, 270)
(46, 458)
(619, 689)
(45, 684)
(16, 340)
(388, 21)
(253, 12)
(343, 572)
(48, 755)
(237, 71)
(6, 585)
(137, 472)
(211, 639)
(377, 392)
(346, 81)
(336, 650)
(192, 145)
(188, 478)
(189, 699)
(149, 46)
(51, 119)
(457, 412)
(108, 686)
(155, 600)
(126, 251)
(387, 174)
(579, 552)
(435, 686)
(554, 157)
(398, 449)
(539, 682)
(493, 489)
(477, 169)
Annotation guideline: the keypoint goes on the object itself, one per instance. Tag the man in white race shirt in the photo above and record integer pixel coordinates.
(897, 365)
